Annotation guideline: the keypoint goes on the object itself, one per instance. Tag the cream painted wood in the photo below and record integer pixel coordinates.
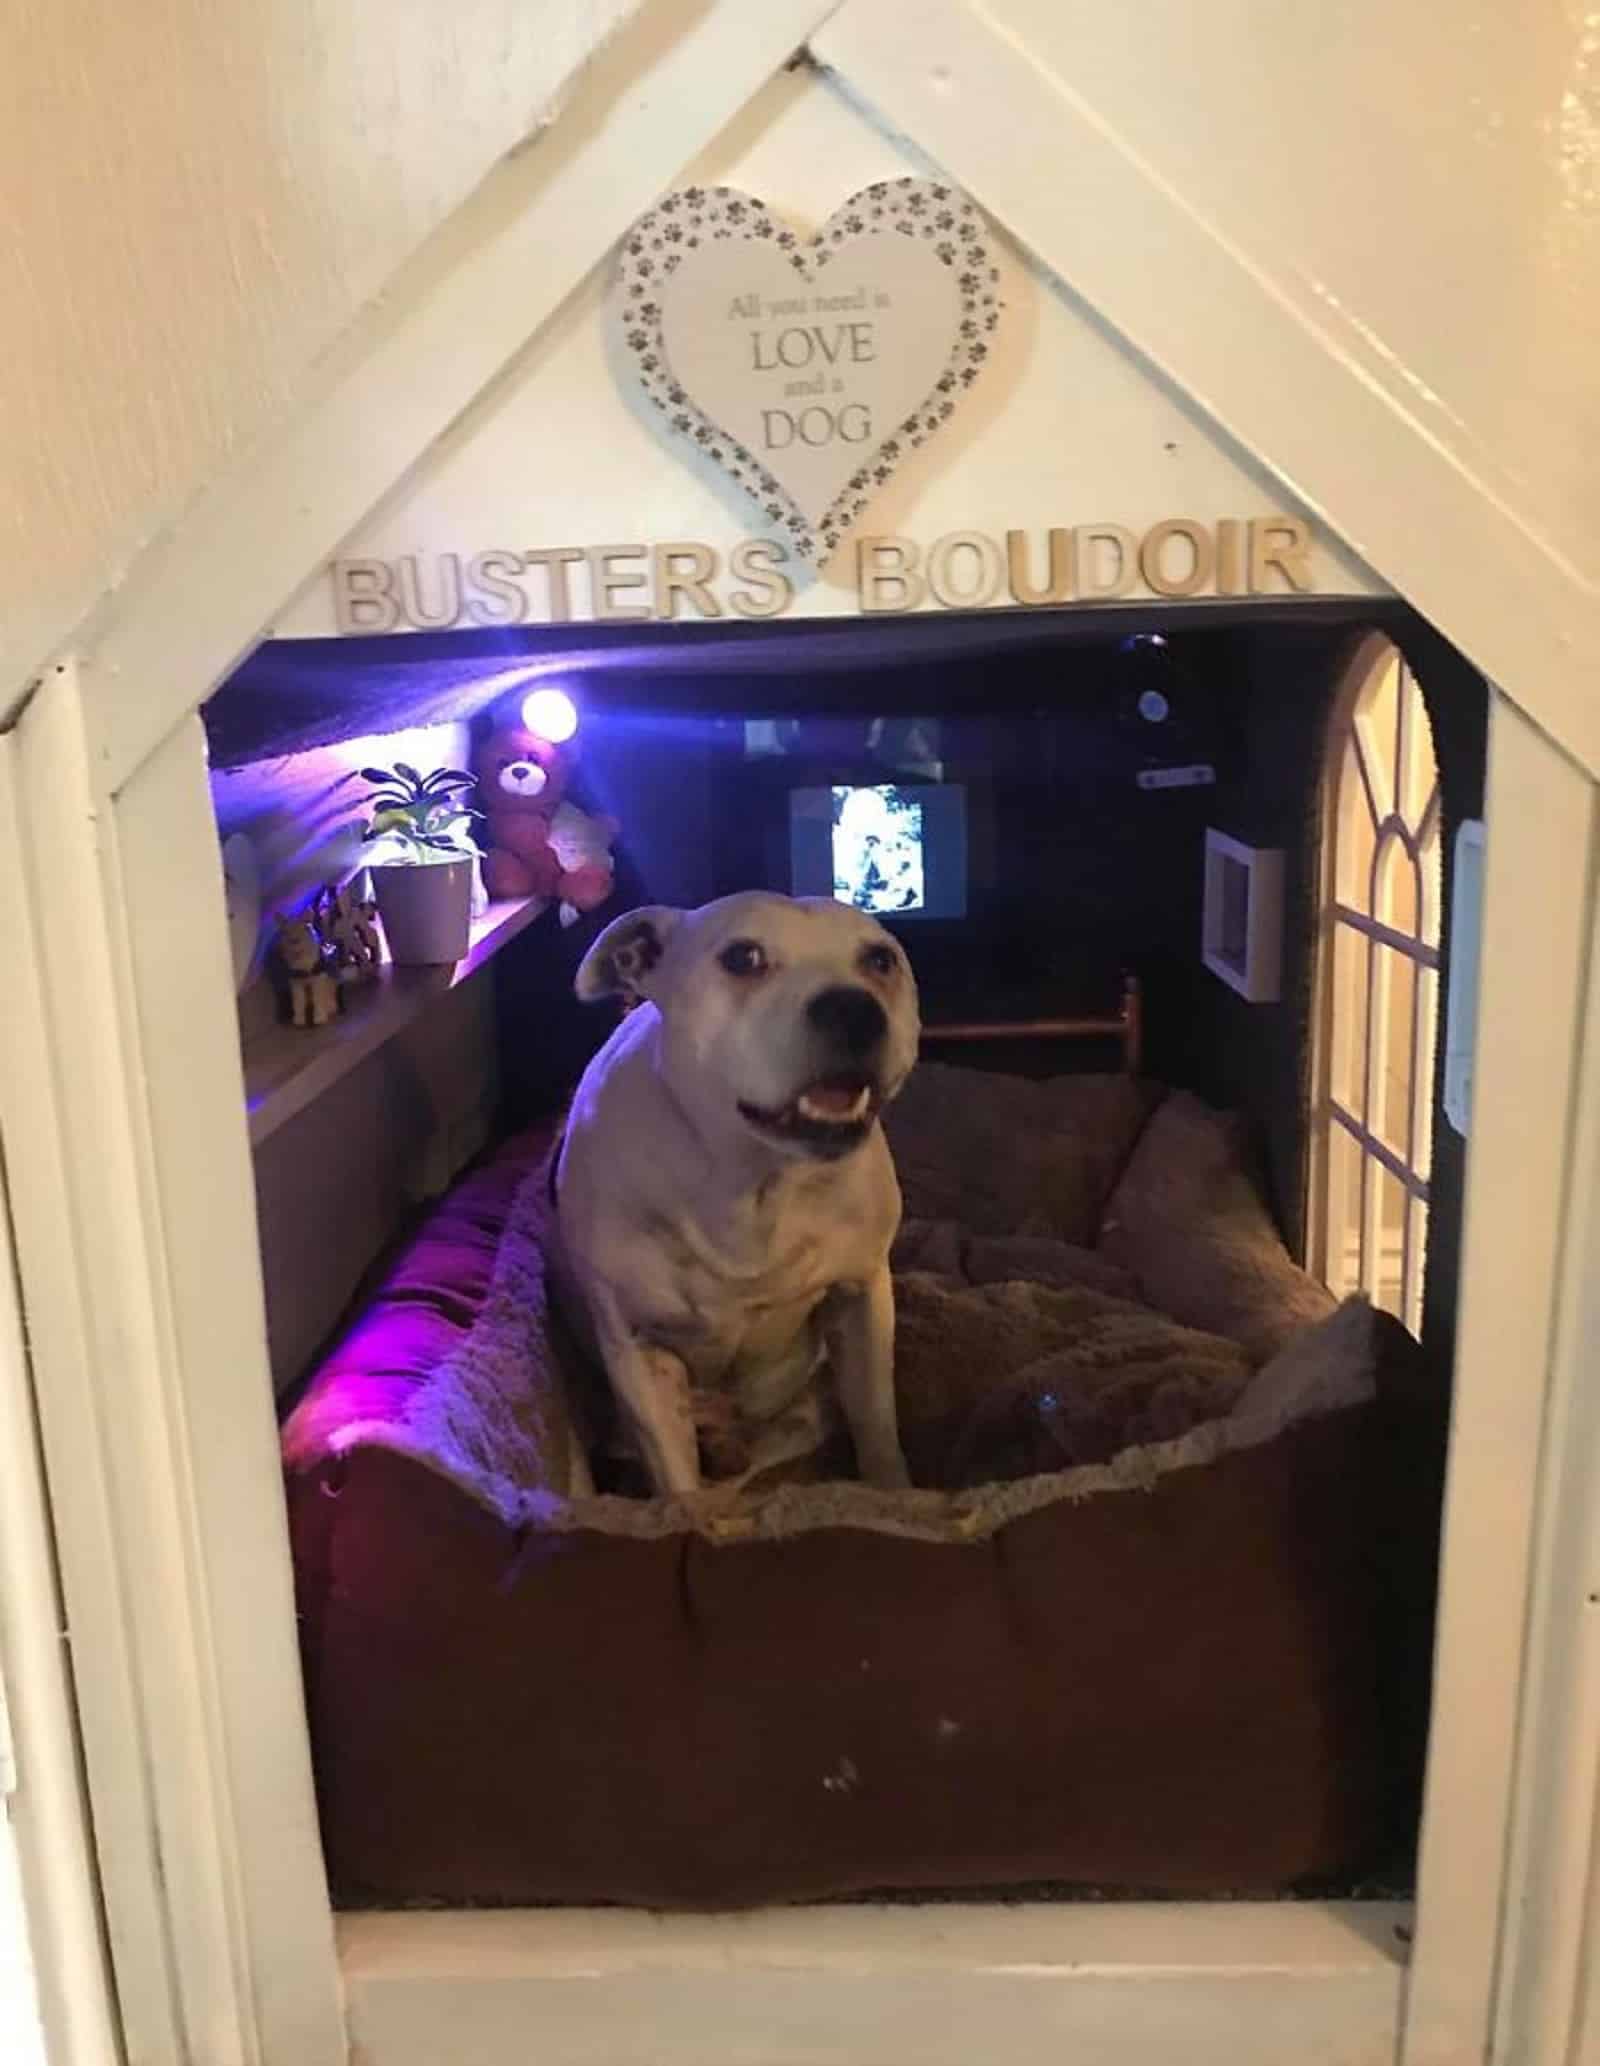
(1537, 920)
(1553, 1936)
(1065, 427)
(47, 1817)
(219, 1396)
(130, 1180)
(1181, 288)
(1529, 793)
(200, 196)
(21, 2025)
(1421, 181)
(71, 1339)
(114, 1136)
(470, 301)
(953, 1985)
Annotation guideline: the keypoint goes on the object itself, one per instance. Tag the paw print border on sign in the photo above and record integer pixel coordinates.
(927, 209)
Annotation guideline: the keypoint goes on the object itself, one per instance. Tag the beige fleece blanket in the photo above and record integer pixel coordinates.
(509, 1441)
(1089, 1293)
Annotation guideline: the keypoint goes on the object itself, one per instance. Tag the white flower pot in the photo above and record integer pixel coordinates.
(426, 910)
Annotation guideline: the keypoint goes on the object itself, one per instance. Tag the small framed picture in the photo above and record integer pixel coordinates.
(1243, 923)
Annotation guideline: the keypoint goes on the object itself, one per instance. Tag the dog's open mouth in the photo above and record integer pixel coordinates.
(830, 1116)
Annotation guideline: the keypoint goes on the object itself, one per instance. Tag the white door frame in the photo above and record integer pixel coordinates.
(137, 1228)
(120, 1104)
(1523, 1262)
(124, 1121)
(1545, 2006)
(47, 1805)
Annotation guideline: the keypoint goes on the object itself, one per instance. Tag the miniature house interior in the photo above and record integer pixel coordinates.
(1176, 890)
(1104, 600)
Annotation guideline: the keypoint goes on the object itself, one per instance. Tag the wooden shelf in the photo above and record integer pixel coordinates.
(285, 1067)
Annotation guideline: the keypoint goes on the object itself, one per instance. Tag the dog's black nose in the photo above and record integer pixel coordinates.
(851, 1017)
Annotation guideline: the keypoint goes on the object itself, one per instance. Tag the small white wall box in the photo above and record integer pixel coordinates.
(1242, 938)
(1461, 1012)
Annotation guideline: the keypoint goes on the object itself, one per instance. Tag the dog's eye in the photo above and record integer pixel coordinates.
(880, 961)
(743, 958)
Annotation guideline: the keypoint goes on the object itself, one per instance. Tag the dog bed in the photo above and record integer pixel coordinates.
(1152, 1621)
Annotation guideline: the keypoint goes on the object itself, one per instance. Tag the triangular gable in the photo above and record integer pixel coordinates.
(1067, 429)
(1043, 168)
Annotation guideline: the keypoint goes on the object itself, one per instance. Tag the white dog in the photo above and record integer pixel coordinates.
(725, 1196)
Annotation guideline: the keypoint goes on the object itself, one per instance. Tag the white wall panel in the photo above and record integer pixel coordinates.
(1092, 181)
(1423, 180)
(1066, 426)
(200, 194)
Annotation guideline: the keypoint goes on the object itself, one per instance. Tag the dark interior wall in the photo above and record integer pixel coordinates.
(1073, 873)
(1073, 870)
(659, 777)
(1077, 872)
(655, 774)
(1458, 710)
(1255, 1058)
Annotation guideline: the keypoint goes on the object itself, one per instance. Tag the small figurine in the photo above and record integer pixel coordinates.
(306, 961)
(366, 925)
(347, 925)
(582, 844)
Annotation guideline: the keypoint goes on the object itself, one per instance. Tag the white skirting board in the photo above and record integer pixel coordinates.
(1137, 1984)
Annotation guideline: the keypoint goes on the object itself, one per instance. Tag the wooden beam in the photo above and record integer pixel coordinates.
(469, 302)
(1289, 389)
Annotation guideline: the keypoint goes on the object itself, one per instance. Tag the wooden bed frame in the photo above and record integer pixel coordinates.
(1125, 1024)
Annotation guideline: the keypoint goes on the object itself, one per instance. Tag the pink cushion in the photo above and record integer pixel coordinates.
(430, 1294)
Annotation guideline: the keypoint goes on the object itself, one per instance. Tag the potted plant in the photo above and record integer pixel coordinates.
(422, 862)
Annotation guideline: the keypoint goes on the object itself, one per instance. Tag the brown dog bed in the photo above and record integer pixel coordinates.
(1143, 1625)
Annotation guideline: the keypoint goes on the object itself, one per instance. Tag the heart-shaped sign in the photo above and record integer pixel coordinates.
(807, 368)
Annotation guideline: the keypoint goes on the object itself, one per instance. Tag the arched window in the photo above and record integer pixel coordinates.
(1377, 989)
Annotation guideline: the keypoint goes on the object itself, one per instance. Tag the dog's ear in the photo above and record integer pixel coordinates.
(624, 960)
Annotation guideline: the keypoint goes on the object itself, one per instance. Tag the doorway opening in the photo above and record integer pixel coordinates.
(1108, 1135)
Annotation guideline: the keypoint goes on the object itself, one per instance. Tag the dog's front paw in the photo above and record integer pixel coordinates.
(721, 1507)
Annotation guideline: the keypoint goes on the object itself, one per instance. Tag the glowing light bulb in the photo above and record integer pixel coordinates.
(551, 713)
